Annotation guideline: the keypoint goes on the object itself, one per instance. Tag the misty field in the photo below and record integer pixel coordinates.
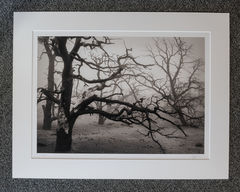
(115, 137)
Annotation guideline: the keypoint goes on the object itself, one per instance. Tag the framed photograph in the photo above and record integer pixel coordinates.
(121, 95)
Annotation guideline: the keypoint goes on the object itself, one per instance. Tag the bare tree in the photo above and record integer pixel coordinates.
(114, 85)
(178, 85)
(138, 112)
(47, 108)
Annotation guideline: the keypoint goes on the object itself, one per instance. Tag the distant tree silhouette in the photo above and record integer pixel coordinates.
(178, 85)
(48, 107)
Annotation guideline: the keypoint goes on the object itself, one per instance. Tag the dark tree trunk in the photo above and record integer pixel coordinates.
(67, 80)
(64, 134)
(47, 120)
(63, 142)
(64, 139)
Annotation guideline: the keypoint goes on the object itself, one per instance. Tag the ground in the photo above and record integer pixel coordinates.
(115, 137)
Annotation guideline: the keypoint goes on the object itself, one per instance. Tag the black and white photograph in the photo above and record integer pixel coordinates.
(120, 94)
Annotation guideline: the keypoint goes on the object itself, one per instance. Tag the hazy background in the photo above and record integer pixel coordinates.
(139, 49)
(112, 137)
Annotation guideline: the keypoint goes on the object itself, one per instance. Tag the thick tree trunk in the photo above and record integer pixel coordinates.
(64, 133)
(63, 142)
(67, 80)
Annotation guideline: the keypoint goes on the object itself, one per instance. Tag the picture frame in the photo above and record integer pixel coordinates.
(213, 164)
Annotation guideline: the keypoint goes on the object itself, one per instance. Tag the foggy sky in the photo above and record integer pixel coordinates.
(139, 49)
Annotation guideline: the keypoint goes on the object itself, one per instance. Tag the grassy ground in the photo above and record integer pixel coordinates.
(115, 137)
